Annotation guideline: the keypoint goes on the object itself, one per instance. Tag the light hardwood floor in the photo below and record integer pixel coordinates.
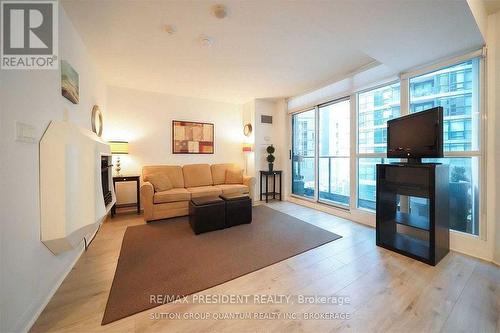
(387, 291)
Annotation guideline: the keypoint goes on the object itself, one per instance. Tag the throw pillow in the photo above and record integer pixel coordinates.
(234, 176)
(160, 182)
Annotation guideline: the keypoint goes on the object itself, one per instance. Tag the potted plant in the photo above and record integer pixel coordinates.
(270, 158)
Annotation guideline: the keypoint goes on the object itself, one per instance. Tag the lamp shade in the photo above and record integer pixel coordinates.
(118, 147)
(247, 148)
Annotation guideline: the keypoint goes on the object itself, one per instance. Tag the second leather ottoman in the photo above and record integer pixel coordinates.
(238, 209)
(206, 214)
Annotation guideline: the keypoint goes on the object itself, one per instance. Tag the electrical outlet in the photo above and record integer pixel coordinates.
(25, 133)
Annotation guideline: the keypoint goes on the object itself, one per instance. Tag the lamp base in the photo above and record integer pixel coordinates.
(118, 167)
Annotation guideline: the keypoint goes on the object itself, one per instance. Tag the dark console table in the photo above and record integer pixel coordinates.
(136, 179)
(273, 174)
(424, 234)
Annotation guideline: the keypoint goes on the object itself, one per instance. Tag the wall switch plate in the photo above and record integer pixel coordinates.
(25, 133)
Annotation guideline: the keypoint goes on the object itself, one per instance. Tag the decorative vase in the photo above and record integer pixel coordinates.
(270, 167)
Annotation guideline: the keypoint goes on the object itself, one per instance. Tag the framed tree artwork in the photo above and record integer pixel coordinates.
(192, 137)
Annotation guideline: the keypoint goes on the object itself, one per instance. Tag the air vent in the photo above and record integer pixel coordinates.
(266, 119)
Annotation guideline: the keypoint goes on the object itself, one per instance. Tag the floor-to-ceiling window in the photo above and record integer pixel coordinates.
(375, 107)
(304, 153)
(321, 163)
(322, 173)
(334, 152)
(456, 89)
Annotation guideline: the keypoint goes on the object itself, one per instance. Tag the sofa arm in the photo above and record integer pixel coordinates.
(250, 182)
(147, 194)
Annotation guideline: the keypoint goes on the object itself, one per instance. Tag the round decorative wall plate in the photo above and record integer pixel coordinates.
(96, 120)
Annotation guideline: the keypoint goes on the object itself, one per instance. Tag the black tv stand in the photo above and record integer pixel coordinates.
(420, 235)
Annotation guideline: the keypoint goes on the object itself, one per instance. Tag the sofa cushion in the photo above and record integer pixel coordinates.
(234, 176)
(234, 189)
(173, 172)
(202, 191)
(160, 182)
(219, 172)
(197, 175)
(173, 195)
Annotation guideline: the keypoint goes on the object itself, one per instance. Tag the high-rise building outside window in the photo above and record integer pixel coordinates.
(456, 89)
(375, 108)
(304, 153)
(334, 152)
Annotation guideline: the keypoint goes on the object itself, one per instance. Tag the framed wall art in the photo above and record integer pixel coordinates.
(70, 82)
(192, 137)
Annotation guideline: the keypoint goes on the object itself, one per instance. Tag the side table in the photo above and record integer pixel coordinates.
(120, 179)
(273, 193)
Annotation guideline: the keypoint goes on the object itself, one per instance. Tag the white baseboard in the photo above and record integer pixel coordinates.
(477, 256)
(29, 322)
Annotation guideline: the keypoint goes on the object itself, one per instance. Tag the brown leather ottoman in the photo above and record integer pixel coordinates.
(238, 209)
(206, 214)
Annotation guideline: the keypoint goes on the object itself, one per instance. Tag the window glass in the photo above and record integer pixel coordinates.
(367, 180)
(464, 192)
(303, 151)
(375, 107)
(334, 151)
(456, 89)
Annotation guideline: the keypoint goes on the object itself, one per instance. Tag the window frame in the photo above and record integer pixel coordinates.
(480, 153)
(318, 198)
(358, 155)
(367, 215)
(405, 110)
(312, 199)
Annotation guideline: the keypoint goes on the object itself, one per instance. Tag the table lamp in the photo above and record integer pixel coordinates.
(118, 148)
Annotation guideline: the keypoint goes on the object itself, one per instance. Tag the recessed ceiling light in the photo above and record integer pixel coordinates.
(219, 11)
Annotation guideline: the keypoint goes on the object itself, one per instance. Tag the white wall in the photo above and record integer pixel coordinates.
(281, 134)
(30, 273)
(249, 118)
(478, 9)
(144, 119)
(264, 135)
(493, 141)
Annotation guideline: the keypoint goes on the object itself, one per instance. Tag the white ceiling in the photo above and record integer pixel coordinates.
(264, 49)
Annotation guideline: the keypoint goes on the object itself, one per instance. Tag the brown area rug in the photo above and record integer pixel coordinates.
(166, 258)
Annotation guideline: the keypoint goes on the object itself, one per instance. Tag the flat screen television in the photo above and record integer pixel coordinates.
(416, 136)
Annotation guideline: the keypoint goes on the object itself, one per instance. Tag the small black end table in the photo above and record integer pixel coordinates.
(119, 179)
(267, 193)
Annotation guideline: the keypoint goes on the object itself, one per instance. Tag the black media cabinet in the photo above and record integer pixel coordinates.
(413, 210)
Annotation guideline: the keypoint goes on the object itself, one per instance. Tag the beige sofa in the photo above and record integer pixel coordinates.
(189, 181)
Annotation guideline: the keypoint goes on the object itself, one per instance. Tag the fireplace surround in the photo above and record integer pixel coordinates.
(76, 192)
